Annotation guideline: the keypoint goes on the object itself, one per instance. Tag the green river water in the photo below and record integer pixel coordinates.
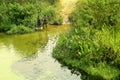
(28, 56)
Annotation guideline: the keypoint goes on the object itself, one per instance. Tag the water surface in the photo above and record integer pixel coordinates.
(28, 56)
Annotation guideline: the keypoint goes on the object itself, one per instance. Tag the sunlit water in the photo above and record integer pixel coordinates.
(28, 56)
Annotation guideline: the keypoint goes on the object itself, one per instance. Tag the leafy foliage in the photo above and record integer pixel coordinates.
(21, 29)
(52, 2)
(25, 13)
(97, 13)
(93, 44)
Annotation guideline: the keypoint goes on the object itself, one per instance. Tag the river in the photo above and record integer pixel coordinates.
(29, 56)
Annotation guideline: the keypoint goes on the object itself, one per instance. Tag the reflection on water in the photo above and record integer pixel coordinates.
(17, 61)
(26, 44)
(43, 66)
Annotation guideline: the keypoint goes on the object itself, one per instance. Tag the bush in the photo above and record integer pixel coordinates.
(58, 20)
(26, 14)
(19, 14)
(97, 13)
(86, 48)
(4, 22)
(82, 50)
(52, 2)
(16, 14)
(20, 29)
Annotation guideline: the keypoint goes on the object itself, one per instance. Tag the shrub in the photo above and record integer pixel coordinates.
(19, 14)
(86, 47)
(58, 20)
(26, 14)
(20, 29)
(81, 50)
(97, 13)
(16, 14)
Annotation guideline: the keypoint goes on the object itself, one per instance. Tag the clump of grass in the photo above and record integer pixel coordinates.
(21, 29)
(93, 45)
(90, 50)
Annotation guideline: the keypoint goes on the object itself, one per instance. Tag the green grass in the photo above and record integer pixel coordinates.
(97, 55)
(109, 37)
(103, 70)
(93, 46)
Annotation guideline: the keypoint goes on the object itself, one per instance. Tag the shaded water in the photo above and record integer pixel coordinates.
(28, 56)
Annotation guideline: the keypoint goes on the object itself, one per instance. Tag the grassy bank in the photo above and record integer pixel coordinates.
(21, 16)
(93, 45)
(92, 51)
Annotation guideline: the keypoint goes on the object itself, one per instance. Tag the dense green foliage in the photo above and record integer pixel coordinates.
(19, 29)
(25, 13)
(97, 13)
(93, 44)
(52, 2)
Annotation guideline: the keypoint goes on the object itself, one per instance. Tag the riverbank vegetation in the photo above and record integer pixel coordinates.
(93, 47)
(20, 16)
